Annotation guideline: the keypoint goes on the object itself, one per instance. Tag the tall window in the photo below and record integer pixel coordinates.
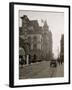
(34, 46)
(35, 42)
(35, 38)
(29, 40)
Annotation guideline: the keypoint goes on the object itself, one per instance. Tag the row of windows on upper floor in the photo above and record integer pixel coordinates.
(36, 46)
(34, 38)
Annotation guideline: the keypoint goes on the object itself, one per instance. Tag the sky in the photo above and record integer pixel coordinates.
(55, 21)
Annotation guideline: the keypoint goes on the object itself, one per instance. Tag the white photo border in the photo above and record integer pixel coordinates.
(42, 81)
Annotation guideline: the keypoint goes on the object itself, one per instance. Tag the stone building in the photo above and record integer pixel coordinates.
(47, 42)
(38, 39)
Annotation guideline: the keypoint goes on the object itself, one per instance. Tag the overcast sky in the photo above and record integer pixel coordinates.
(55, 22)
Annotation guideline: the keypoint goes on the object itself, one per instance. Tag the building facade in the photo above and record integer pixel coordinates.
(47, 42)
(38, 39)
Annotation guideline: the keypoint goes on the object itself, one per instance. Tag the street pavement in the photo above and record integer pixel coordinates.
(60, 70)
(41, 70)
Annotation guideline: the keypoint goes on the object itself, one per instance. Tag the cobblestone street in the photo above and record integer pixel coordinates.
(41, 70)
